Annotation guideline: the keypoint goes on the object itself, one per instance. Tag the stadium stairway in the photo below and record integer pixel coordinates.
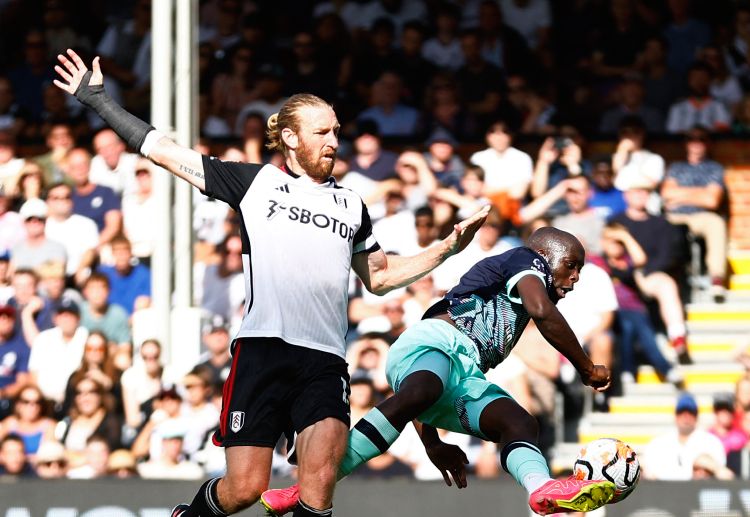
(717, 334)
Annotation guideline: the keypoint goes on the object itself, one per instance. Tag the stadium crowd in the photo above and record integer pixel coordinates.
(431, 96)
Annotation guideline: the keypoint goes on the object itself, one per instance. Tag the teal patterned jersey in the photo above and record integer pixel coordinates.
(485, 304)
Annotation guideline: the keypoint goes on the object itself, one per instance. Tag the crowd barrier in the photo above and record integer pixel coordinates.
(366, 498)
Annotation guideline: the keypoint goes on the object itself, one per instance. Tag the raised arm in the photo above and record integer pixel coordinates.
(88, 87)
(557, 332)
(381, 273)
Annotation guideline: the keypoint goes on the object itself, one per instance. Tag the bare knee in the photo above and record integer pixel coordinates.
(237, 493)
(504, 421)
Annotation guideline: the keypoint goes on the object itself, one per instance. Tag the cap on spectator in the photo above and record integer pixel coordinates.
(686, 403)
(67, 305)
(723, 401)
(8, 310)
(172, 428)
(5, 255)
(361, 376)
(639, 183)
(169, 392)
(33, 208)
(50, 451)
(121, 459)
(709, 464)
(442, 135)
(367, 126)
(216, 322)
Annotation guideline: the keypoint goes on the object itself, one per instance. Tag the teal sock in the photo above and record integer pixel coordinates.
(370, 437)
(524, 461)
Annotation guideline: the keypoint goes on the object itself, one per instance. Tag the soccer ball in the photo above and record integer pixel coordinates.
(610, 459)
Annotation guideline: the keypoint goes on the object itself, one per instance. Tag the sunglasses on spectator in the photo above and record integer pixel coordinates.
(149, 357)
(34, 219)
(57, 463)
(30, 402)
(59, 198)
(194, 385)
(87, 392)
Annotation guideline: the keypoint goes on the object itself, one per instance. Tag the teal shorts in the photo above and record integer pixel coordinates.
(466, 392)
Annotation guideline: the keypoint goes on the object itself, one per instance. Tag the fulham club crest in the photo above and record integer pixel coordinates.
(237, 420)
(340, 201)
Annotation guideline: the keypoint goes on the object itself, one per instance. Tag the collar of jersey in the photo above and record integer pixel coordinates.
(330, 182)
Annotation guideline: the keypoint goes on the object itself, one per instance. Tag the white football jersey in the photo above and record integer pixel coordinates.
(298, 238)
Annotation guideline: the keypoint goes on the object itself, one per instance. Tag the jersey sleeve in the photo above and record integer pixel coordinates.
(228, 181)
(521, 264)
(364, 239)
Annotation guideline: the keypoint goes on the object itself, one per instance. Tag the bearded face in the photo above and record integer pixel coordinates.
(317, 163)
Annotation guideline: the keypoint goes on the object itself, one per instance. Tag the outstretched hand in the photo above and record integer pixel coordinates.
(598, 378)
(73, 70)
(450, 460)
(463, 232)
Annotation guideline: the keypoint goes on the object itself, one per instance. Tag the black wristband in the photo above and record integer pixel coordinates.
(130, 128)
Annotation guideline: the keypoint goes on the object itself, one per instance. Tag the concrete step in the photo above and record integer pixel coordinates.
(641, 421)
(648, 407)
(719, 312)
(635, 436)
(710, 348)
(716, 327)
(739, 284)
(722, 373)
(667, 389)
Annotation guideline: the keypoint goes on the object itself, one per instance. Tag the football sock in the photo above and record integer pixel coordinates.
(206, 502)
(370, 437)
(304, 510)
(524, 461)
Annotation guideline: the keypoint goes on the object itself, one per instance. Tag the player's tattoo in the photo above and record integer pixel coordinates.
(192, 172)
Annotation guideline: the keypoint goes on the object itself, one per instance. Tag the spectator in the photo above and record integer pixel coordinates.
(59, 141)
(632, 162)
(661, 84)
(269, 89)
(370, 159)
(418, 182)
(481, 83)
(414, 70)
(167, 408)
(125, 48)
(223, 283)
(138, 212)
(618, 40)
(590, 311)
(392, 116)
(143, 382)
(606, 198)
(725, 87)
(90, 415)
(112, 166)
(742, 401)
(507, 170)
(30, 420)
(693, 193)
(6, 291)
(232, 89)
(12, 116)
(735, 52)
(706, 467)
(630, 102)
(307, 73)
(98, 314)
(725, 427)
(14, 359)
(93, 201)
(95, 457)
(670, 457)
(699, 108)
(621, 257)
(30, 185)
(472, 187)
(57, 110)
(33, 312)
(57, 352)
(30, 77)
(50, 461)
(741, 124)
(13, 461)
(36, 249)
(11, 224)
(129, 281)
(444, 48)
(77, 233)
(445, 108)
(52, 285)
(685, 36)
(58, 29)
(366, 357)
(558, 158)
(10, 164)
(422, 295)
(121, 465)
(657, 237)
(502, 44)
(197, 412)
(443, 159)
(97, 364)
(171, 463)
(531, 18)
(217, 360)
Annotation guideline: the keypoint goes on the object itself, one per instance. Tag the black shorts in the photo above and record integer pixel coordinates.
(275, 388)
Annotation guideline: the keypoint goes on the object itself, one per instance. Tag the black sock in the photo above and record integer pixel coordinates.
(206, 502)
(304, 510)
